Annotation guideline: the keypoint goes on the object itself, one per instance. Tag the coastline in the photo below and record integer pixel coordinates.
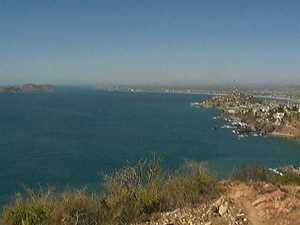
(213, 92)
(285, 135)
(250, 115)
(281, 134)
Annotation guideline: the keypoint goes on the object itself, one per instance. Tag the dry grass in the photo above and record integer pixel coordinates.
(131, 195)
(254, 173)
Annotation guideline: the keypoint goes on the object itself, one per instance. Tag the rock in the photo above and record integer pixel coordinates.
(269, 188)
(223, 209)
(219, 202)
(276, 195)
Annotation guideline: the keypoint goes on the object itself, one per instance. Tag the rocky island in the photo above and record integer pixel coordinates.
(251, 115)
(27, 88)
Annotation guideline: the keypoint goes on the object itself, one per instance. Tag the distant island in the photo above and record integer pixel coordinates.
(257, 116)
(27, 88)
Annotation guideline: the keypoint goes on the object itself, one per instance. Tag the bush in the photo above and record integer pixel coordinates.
(254, 173)
(131, 195)
(78, 208)
(29, 214)
(289, 179)
(190, 185)
(136, 192)
(35, 210)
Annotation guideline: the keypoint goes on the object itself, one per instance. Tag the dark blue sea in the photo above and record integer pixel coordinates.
(70, 137)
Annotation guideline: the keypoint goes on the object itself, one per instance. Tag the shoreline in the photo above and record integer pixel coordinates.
(202, 92)
(252, 116)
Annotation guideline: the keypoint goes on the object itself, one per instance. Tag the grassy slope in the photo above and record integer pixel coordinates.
(132, 195)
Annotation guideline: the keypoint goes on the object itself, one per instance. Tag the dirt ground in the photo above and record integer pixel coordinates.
(292, 130)
(241, 204)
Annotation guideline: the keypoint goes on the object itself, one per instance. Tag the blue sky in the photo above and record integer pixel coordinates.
(149, 41)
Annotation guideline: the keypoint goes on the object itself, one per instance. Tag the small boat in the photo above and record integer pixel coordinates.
(227, 127)
(195, 104)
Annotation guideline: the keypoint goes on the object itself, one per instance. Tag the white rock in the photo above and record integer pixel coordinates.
(223, 209)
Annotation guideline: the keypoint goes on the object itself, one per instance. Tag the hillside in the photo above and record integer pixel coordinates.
(145, 194)
(241, 204)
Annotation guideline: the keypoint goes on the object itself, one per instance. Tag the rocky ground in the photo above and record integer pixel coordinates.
(241, 204)
(291, 130)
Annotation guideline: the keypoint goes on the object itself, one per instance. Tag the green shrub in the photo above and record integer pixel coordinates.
(26, 214)
(254, 173)
(135, 191)
(131, 195)
(190, 185)
(77, 208)
(289, 179)
(138, 191)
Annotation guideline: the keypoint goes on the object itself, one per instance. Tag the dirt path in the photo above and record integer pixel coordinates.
(241, 195)
(241, 204)
(266, 204)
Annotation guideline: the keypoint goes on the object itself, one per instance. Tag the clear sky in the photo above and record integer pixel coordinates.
(149, 41)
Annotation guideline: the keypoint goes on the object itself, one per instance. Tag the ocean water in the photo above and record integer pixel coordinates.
(70, 137)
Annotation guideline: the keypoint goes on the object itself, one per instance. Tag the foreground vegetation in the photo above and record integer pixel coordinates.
(253, 173)
(131, 195)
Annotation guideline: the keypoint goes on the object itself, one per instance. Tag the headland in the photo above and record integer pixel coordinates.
(257, 116)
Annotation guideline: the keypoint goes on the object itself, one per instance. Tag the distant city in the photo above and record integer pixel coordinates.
(281, 92)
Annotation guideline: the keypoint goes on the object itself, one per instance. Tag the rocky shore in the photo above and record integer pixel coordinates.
(253, 116)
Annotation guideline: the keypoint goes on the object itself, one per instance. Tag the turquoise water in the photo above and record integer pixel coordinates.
(69, 137)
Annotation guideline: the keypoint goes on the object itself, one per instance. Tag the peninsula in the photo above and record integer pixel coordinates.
(257, 116)
(27, 88)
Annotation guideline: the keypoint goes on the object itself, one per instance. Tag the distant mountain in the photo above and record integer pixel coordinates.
(28, 88)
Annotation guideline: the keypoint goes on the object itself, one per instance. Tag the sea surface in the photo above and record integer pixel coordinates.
(70, 137)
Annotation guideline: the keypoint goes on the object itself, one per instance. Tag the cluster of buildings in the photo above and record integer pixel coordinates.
(264, 116)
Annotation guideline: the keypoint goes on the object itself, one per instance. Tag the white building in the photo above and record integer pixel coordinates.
(279, 115)
(231, 111)
(265, 109)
